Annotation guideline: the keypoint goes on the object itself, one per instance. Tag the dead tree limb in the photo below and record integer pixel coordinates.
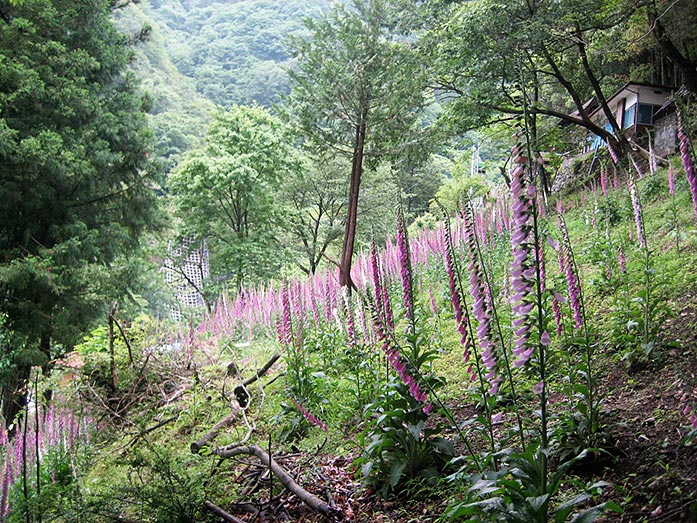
(228, 420)
(221, 513)
(125, 339)
(263, 370)
(306, 497)
(238, 406)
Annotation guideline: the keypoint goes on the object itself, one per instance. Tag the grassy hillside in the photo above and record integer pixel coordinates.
(372, 406)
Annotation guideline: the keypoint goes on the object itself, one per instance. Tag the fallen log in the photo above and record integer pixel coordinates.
(306, 497)
(263, 370)
(221, 513)
(240, 403)
(197, 445)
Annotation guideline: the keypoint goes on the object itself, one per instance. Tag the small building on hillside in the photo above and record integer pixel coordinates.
(638, 109)
(642, 111)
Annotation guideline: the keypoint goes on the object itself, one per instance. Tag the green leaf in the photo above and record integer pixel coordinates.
(396, 473)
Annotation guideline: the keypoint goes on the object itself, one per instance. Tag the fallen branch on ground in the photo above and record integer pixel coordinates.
(197, 445)
(238, 405)
(306, 497)
(221, 513)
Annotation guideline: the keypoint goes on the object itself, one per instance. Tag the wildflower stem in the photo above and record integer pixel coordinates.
(466, 320)
(504, 351)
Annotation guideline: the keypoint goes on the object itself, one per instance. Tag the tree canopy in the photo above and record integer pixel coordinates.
(357, 89)
(226, 193)
(77, 181)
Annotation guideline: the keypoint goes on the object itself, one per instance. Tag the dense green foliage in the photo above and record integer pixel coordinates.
(227, 194)
(471, 361)
(234, 50)
(77, 181)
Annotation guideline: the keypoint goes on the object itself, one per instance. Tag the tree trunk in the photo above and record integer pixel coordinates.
(686, 65)
(112, 355)
(350, 229)
(14, 397)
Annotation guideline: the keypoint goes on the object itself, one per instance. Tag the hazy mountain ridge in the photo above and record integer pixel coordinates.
(206, 53)
(234, 52)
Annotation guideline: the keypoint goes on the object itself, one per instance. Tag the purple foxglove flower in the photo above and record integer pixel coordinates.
(603, 181)
(461, 317)
(393, 358)
(653, 164)
(556, 310)
(571, 276)
(671, 180)
(405, 267)
(690, 172)
(613, 154)
(636, 205)
(480, 305)
(350, 324)
(309, 416)
(523, 271)
(286, 324)
(538, 387)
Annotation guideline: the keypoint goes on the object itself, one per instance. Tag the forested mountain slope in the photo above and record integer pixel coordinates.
(196, 54)
(235, 51)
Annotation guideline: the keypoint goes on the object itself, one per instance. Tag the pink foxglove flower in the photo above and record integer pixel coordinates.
(461, 316)
(653, 164)
(636, 205)
(481, 304)
(522, 267)
(686, 156)
(571, 276)
(671, 180)
(405, 267)
(350, 321)
(432, 300)
(286, 330)
(556, 309)
(309, 416)
(621, 260)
